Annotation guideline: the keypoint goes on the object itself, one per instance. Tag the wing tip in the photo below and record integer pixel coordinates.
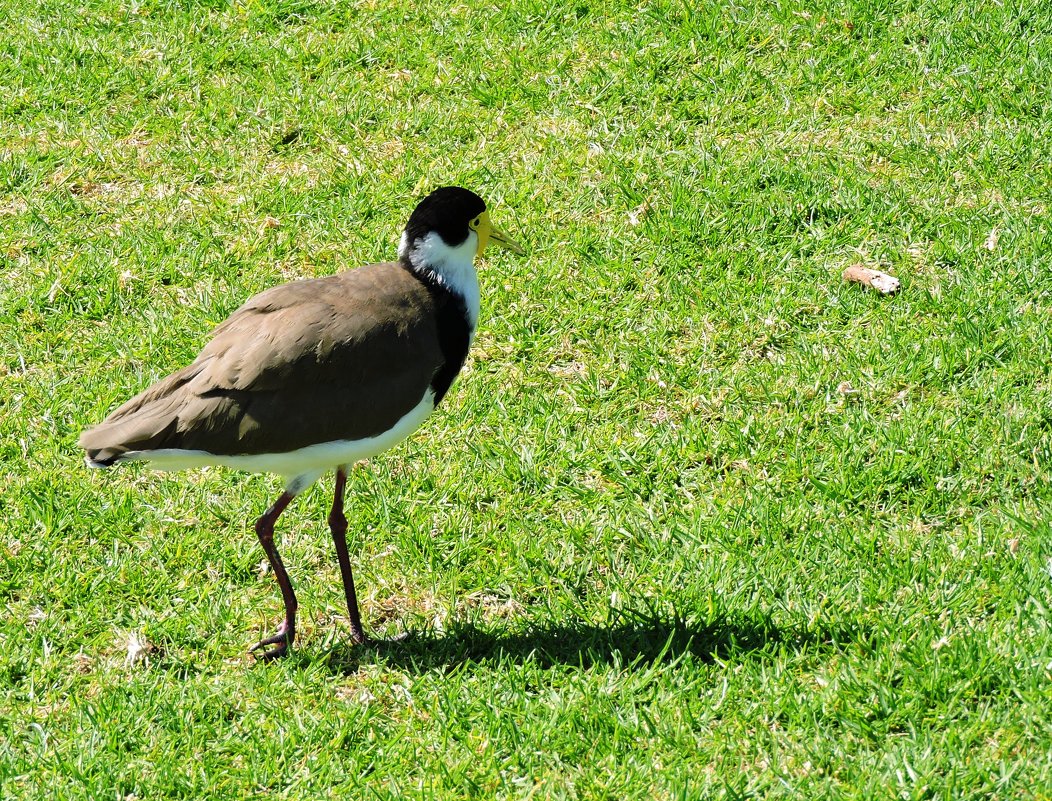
(98, 458)
(98, 464)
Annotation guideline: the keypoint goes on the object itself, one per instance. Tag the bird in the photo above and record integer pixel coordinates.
(319, 374)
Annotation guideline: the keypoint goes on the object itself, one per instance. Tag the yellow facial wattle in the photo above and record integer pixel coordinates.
(487, 233)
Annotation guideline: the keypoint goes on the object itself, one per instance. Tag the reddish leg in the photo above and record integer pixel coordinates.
(338, 526)
(286, 632)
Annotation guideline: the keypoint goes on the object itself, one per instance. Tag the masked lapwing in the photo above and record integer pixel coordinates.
(318, 374)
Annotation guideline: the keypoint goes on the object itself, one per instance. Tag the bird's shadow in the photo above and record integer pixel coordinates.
(630, 638)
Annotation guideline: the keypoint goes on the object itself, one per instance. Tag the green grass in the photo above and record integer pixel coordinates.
(649, 547)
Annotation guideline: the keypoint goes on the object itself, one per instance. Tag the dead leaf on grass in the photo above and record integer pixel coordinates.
(882, 282)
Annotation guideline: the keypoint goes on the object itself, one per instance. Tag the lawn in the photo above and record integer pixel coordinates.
(699, 519)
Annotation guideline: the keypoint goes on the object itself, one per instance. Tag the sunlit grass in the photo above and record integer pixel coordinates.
(698, 520)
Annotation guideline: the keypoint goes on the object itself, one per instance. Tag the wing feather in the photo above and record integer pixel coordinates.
(325, 359)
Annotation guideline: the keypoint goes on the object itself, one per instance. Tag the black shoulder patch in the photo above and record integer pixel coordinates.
(454, 333)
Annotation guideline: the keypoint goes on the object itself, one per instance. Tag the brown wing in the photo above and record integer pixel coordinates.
(334, 358)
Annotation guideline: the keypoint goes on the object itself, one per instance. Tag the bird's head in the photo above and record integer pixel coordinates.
(450, 225)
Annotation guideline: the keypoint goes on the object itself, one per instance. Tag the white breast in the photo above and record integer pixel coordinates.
(454, 267)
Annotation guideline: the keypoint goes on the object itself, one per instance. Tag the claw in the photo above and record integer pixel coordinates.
(274, 653)
(282, 639)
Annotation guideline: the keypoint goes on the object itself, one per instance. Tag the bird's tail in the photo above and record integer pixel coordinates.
(97, 460)
(144, 423)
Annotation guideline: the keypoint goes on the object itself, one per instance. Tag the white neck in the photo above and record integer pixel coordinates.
(453, 267)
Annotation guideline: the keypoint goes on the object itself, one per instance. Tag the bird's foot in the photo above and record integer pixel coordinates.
(358, 638)
(282, 639)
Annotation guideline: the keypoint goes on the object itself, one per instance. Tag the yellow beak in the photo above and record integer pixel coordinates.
(501, 239)
(488, 232)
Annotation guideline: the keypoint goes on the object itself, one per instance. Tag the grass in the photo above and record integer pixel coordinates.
(698, 520)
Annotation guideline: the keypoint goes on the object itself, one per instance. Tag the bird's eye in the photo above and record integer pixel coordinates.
(475, 222)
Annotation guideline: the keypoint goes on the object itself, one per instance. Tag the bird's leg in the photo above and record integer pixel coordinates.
(286, 632)
(338, 526)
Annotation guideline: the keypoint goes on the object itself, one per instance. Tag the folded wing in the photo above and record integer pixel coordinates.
(322, 360)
